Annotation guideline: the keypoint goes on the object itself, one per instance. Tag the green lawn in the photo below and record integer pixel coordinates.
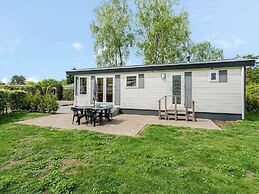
(162, 159)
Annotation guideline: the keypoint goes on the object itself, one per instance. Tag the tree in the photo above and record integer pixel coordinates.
(18, 80)
(113, 33)
(162, 35)
(204, 51)
(70, 78)
(252, 73)
(48, 86)
(48, 83)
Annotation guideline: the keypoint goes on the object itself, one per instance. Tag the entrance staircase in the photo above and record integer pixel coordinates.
(171, 108)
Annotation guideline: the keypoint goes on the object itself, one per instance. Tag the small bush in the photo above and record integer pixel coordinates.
(42, 103)
(48, 104)
(252, 98)
(68, 94)
(33, 102)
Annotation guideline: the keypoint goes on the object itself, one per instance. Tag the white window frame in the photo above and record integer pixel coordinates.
(136, 75)
(79, 85)
(217, 76)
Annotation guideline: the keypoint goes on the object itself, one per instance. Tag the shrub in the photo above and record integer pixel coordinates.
(59, 92)
(252, 98)
(4, 100)
(39, 103)
(33, 102)
(18, 100)
(68, 94)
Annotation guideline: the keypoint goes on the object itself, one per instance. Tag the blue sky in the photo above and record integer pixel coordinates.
(44, 38)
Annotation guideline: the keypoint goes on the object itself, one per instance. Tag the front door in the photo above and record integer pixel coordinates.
(105, 89)
(178, 88)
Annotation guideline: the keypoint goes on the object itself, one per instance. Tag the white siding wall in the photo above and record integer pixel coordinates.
(218, 97)
(210, 97)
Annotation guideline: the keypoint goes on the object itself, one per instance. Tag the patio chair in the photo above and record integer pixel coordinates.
(79, 114)
(94, 116)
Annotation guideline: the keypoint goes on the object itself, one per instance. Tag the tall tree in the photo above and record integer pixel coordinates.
(252, 73)
(18, 80)
(70, 78)
(113, 33)
(204, 51)
(163, 35)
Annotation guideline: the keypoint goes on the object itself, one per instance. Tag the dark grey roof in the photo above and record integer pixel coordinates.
(192, 65)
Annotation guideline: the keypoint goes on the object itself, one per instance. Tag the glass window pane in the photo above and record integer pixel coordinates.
(213, 76)
(177, 88)
(109, 89)
(100, 89)
(223, 76)
(131, 81)
(83, 84)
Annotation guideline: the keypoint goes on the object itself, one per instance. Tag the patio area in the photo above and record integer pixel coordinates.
(124, 124)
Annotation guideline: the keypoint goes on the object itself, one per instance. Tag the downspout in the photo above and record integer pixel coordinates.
(243, 90)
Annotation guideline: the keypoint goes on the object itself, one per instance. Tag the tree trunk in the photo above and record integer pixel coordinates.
(120, 55)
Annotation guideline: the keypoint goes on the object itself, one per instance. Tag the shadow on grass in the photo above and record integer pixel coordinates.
(19, 116)
(252, 116)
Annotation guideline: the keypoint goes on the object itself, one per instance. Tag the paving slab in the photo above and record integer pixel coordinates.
(124, 124)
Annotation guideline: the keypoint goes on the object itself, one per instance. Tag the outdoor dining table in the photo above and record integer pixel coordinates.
(102, 110)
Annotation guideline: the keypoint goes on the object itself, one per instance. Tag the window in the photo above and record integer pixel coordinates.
(213, 76)
(83, 85)
(223, 76)
(177, 83)
(109, 89)
(220, 76)
(100, 89)
(131, 81)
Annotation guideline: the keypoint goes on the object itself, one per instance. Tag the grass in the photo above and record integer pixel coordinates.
(163, 159)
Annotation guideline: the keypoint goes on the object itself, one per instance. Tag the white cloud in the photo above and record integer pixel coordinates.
(78, 45)
(32, 78)
(227, 40)
(4, 80)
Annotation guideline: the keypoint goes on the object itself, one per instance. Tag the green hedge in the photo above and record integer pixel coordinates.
(18, 100)
(252, 98)
(4, 100)
(27, 88)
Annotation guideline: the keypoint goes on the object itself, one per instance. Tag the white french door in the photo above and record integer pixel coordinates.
(105, 89)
